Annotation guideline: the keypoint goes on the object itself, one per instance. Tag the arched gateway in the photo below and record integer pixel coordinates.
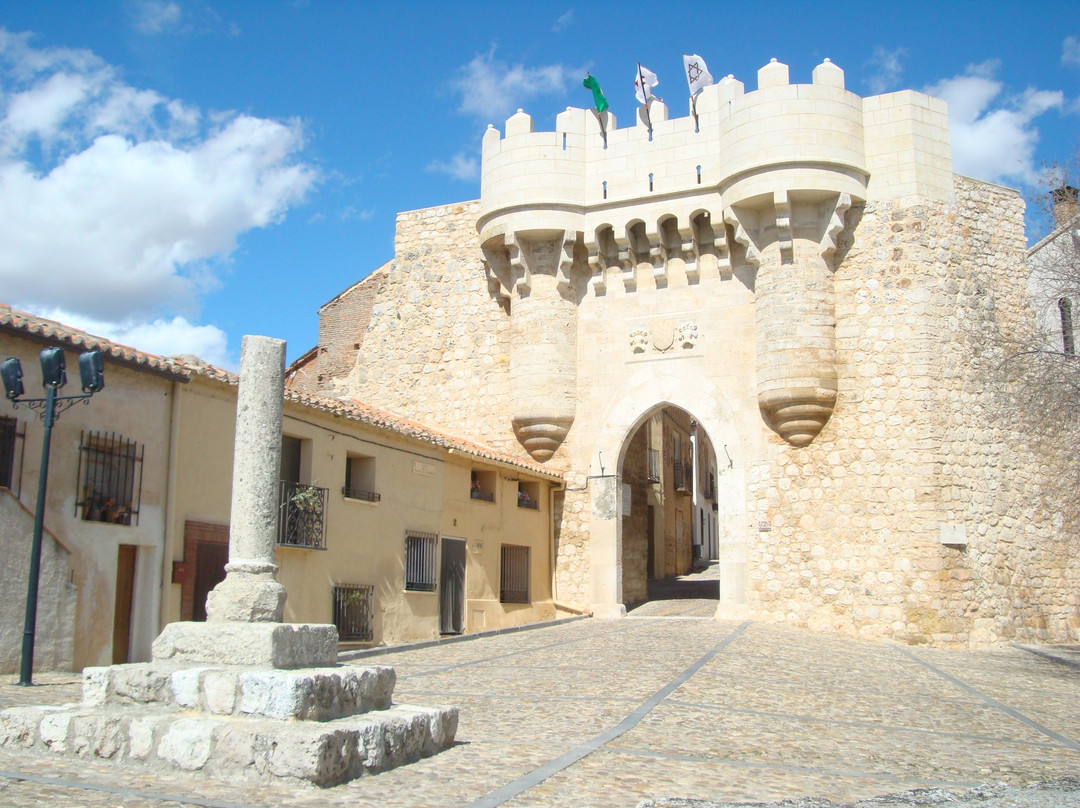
(647, 393)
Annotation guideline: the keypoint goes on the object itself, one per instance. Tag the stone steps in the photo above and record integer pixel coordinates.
(307, 694)
(323, 753)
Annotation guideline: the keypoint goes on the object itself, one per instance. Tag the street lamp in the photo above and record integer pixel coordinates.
(54, 376)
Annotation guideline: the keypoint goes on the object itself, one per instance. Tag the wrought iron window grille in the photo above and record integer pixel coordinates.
(354, 610)
(357, 493)
(109, 481)
(514, 574)
(420, 561)
(302, 516)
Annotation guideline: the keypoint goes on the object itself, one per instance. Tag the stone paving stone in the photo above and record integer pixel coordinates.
(1045, 691)
(777, 713)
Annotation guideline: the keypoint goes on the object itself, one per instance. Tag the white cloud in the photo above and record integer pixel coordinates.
(491, 88)
(563, 22)
(353, 213)
(993, 133)
(120, 206)
(1070, 51)
(164, 337)
(155, 16)
(460, 167)
(887, 68)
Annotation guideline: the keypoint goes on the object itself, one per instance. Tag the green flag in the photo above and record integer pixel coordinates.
(598, 95)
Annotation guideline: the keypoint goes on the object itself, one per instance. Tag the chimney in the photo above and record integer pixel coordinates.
(1065, 204)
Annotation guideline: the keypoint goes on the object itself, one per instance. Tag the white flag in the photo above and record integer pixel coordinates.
(643, 84)
(697, 74)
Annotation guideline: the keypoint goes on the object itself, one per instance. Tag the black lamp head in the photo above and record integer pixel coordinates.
(92, 371)
(11, 371)
(53, 370)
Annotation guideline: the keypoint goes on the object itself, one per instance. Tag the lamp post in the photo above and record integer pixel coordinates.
(54, 376)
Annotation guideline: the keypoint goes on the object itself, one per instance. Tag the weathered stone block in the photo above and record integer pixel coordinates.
(188, 742)
(271, 645)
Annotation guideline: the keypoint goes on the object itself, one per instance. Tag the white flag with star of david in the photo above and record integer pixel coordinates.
(697, 74)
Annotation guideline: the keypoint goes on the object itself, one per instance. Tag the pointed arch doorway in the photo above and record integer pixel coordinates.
(679, 455)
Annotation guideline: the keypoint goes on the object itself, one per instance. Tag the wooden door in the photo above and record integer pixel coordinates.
(210, 560)
(125, 592)
(452, 587)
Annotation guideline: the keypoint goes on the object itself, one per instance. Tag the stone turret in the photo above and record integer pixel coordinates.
(759, 184)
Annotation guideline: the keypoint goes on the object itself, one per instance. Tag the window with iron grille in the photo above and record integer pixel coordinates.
(110, 479)
(9, 434)
(354, 607)
(514, 577)
(420, 561)
(302, 516)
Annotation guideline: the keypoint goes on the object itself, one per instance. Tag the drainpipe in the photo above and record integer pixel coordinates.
(169, 537)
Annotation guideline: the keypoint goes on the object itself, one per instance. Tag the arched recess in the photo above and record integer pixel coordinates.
(643, 394)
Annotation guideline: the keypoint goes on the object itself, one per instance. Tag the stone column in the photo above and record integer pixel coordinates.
(250, 591)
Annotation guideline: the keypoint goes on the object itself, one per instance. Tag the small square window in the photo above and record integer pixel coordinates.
(529, 495)
(360, 478)
(482, 485)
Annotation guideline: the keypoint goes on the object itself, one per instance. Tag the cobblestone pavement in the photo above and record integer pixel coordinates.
(610, 713)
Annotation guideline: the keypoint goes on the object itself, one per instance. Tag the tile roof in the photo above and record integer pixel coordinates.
(51, 331)
(183, 368)
(381, 419)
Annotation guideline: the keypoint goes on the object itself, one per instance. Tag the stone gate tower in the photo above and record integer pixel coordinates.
(764, 179)
(796, 268)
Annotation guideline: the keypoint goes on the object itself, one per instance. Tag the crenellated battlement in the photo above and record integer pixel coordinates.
(756, 182)
(742, 146)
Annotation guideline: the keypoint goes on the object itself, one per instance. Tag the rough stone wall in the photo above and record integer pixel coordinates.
(55, 629)
(437, 345)
(918, 450)
(919, 513)
(343, 322)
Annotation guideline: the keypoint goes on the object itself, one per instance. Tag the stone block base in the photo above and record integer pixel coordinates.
(324, 753)
(265, 645)
(305, 694)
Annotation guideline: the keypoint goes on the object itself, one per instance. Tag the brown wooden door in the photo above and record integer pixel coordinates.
(210, 560)
(125, 591)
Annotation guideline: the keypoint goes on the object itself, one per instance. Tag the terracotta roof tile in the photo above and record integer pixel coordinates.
(52, 331)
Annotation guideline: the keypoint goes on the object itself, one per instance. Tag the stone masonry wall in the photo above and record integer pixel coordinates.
(920, 512)
(437, 346)
(918, 449)
(343, 323)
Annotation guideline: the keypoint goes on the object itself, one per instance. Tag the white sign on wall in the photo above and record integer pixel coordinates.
(626, 499)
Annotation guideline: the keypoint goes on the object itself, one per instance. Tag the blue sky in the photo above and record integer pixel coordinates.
(177, 173)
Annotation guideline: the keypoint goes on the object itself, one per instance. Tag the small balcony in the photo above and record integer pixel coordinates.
(302, 516)
(680, 475)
